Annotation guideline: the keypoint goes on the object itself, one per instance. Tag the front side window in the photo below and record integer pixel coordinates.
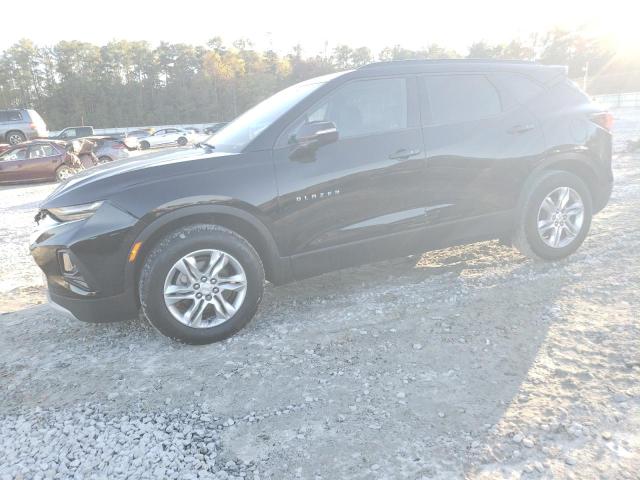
(359, 108)
(459, 98)
(235, 136)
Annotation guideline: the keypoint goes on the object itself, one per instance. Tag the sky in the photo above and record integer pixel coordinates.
(280, 24)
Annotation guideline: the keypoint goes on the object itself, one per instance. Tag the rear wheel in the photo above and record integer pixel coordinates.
(555, 217)
(104, 159)
(64, 172)
(201, 284)
(15, 137)
(182, 141)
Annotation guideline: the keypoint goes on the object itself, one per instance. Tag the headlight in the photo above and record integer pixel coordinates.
(75, 212)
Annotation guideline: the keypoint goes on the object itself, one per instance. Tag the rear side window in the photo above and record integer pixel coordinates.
(10, 116)
(515, 89)
(41, 151)
(458, 98)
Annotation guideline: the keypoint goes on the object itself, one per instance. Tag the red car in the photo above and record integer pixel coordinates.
(35, 161)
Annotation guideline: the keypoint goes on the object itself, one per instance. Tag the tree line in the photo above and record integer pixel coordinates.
(129, 83)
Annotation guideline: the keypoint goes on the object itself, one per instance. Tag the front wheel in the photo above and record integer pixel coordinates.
(555, 217)
(64, 172)
(144, 145)
(104, 159)
(201, 284)
(182, 141)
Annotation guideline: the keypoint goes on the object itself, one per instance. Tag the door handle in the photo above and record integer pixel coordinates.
(517, 129)
(403, 154)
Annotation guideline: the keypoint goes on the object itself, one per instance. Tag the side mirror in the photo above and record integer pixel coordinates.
(315, 134)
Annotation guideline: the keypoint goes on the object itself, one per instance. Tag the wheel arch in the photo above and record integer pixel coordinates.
(576, 163)
(245, 224)
(14, 130)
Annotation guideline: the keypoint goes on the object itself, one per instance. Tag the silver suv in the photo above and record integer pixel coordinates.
(18, 125)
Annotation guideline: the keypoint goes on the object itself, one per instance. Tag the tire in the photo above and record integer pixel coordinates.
(159, 270)
(14, 137)
(64, 172)
(538, 244)
(104, 159)
(144, 145)
(182, 141)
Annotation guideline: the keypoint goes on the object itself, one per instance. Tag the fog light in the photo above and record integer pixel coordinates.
(66, 263)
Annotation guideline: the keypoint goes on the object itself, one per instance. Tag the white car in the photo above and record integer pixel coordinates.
(166, 136)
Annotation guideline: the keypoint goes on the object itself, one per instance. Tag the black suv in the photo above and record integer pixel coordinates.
(387, 160)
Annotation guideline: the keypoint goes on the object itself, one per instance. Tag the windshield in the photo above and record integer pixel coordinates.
(237, 135)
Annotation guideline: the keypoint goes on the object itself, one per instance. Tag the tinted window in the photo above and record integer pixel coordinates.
(10, 116)
(68, 133)
(515, 89)
(459, 98)
(363, 107)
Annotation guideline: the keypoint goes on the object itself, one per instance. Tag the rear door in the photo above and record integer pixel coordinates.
(12, 165)
(364, 186)
(478, 142)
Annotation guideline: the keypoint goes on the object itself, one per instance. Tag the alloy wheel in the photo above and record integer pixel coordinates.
(560, 217)
(205, 288)
(15, 138)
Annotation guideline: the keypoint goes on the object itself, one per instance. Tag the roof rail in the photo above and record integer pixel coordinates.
(396, 63)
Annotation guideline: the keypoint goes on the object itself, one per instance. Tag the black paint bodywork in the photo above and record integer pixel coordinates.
(344, 204)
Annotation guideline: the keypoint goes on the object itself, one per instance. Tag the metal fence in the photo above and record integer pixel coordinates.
(619, 100)
(115, 130)
(611, 100)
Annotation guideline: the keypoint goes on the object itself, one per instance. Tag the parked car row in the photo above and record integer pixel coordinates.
(28, 153)
(35, 160)
(19, 125)
(45, 160)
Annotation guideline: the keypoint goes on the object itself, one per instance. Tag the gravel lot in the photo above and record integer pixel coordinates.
(470, 362)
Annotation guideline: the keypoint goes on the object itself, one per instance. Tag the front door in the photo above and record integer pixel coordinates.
(42, 162)
(366, 185)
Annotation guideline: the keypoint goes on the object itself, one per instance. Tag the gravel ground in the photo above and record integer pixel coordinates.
(470, 362)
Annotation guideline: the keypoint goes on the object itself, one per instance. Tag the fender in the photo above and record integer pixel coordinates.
(278, 267)
(578, 155)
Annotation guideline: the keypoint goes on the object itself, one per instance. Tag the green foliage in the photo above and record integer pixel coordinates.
(129, 83)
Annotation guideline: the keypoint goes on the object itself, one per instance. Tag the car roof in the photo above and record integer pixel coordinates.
(40, 141)
(31, 143)
(539, 71)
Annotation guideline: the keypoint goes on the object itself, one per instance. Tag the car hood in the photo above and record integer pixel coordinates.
(97, 183)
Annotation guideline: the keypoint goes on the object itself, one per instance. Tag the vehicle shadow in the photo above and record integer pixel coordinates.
(454, 331)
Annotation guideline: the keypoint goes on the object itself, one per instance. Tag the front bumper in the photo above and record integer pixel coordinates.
(95, 310)
(98, 248)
